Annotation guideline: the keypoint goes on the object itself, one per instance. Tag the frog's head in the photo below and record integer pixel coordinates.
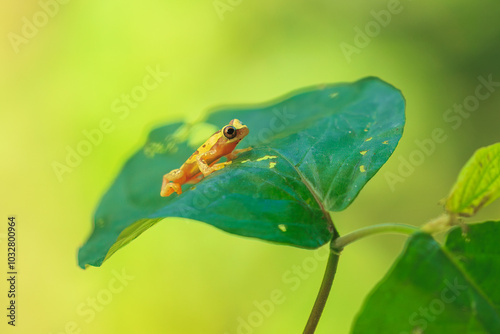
(235, 131)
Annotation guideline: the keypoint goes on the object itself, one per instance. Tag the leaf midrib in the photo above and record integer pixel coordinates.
(311, 189)
(469, 280)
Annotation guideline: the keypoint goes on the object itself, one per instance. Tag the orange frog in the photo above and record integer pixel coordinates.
(204, 160)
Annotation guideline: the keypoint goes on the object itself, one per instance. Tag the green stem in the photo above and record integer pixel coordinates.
(336, 247)
(324, 291)
(339, 243)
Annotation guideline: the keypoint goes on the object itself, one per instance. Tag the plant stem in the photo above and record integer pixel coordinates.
(336, 246)
(339, 243)
(324, 291)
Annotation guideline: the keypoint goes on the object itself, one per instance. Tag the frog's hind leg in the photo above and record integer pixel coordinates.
(172, 182)
(195, 179)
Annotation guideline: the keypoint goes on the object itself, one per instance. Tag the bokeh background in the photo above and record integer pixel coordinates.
(188, 277)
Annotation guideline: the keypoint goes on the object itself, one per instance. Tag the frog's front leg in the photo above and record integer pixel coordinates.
(205, 169)
(172, 182)
(235, 153)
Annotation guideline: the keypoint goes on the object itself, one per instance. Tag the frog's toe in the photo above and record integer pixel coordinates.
(169, 188)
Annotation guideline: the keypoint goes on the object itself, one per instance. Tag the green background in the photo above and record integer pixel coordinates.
(191, 277)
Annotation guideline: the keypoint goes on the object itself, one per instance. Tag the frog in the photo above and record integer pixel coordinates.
(205, 160)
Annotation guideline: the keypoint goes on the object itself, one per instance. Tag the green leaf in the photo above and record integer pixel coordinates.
(312, 153)
(478, 183)
(435, 289)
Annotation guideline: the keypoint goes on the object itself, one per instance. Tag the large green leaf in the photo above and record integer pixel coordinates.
(312, 153)
(439, 289)
(478, 183)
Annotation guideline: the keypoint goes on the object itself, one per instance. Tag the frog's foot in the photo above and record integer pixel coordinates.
(220, 165)
(172, 183)
(169, 188)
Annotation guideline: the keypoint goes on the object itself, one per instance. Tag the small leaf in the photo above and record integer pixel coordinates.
(312, 153)
(478, 183)
(434, 289)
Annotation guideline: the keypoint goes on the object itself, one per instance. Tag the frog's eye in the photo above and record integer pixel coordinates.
(229, 132)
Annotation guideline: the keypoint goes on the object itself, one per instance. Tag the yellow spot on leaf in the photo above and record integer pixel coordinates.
(368, 139)
(365, 130)
(282, 227)
(363, 152)
(362, 168)
(385, 142)
(267, 157)
(332, 95)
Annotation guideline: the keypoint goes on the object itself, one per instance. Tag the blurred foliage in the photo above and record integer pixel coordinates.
(67, 77)
(478, 183)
